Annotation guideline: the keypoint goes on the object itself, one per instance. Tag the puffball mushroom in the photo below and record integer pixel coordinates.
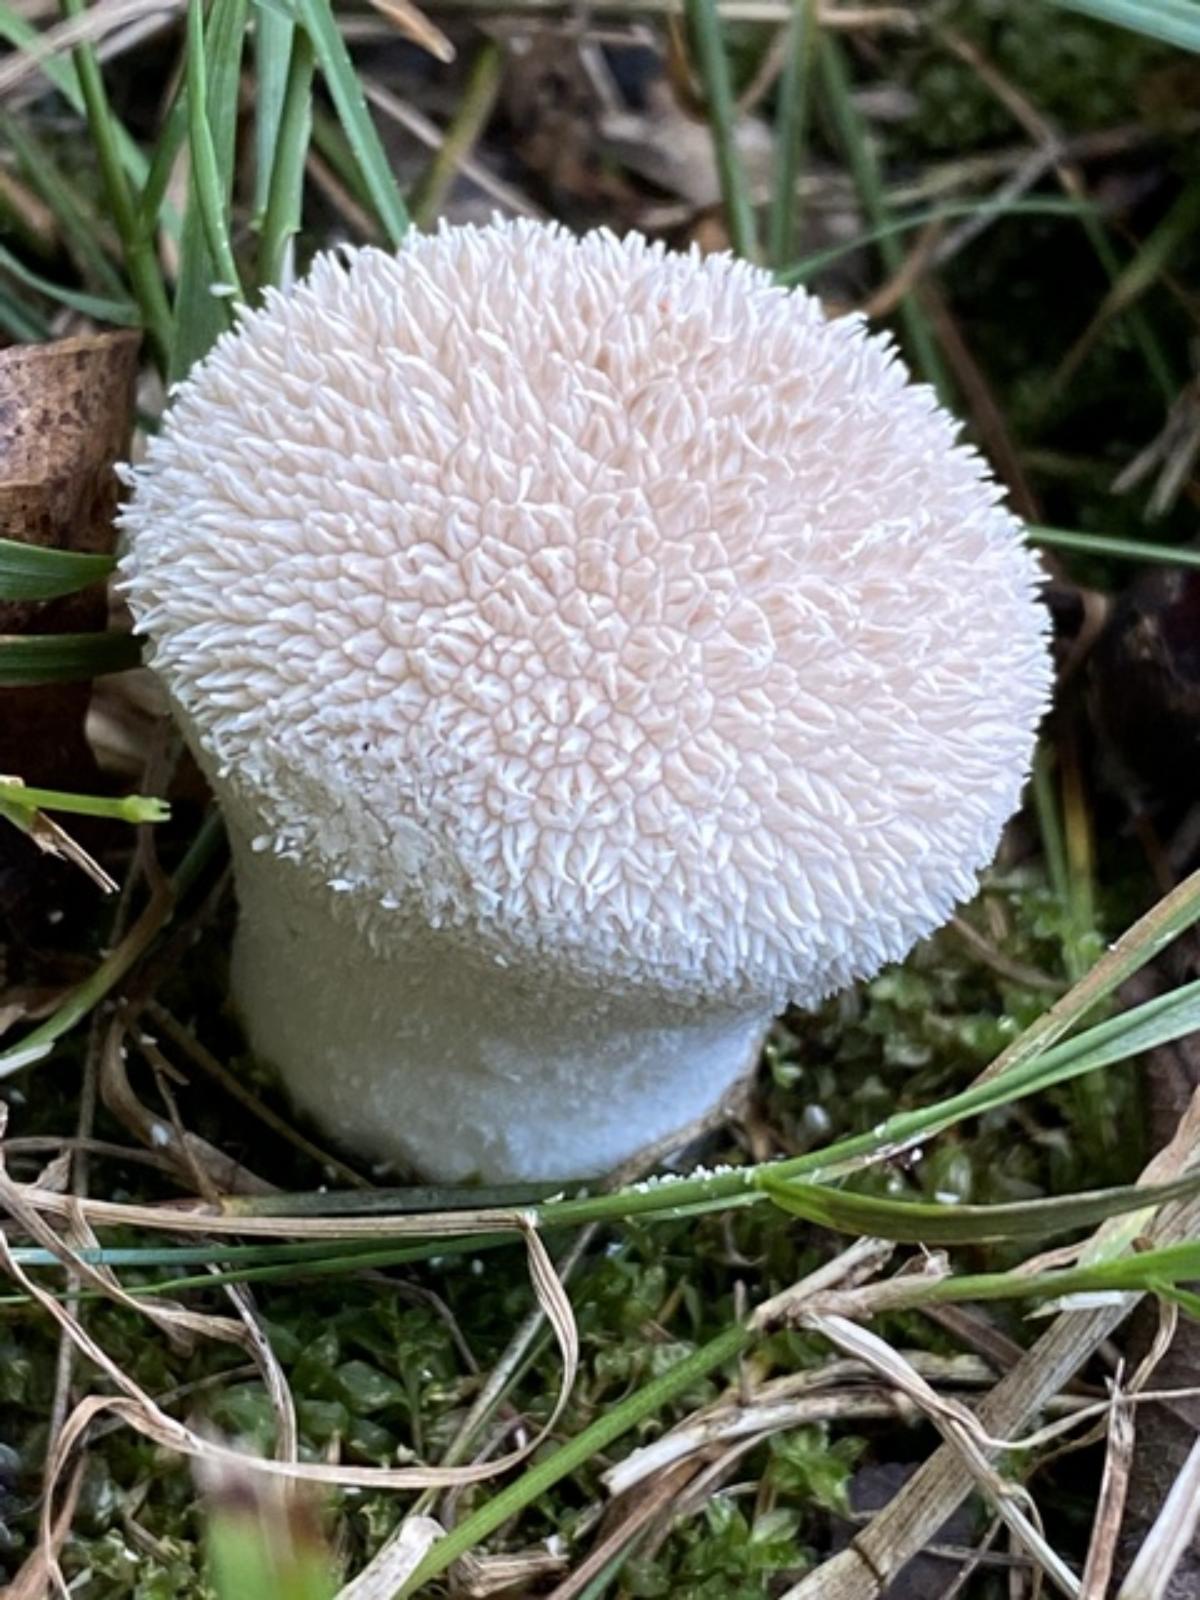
(593, 649)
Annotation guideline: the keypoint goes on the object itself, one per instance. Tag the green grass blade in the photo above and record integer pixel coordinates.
(134, 808)
(274, 32)
(166, 150)
(333, 147)
(1158, 365)
(285, 196)
(141, 262)
(1141, 1272)
(791, 131)
(1128, 286)
(121, 313)
(21, 322)
(62, 74)
(318, 1262)
(1176, 230)
(212, 188)
(914, 1222)
(1099, 544)
(610, 1426)
(200, 316)
(1158, 1021)
(145, 1258)
(64, 657)
(345, 91)
(80, 227)
(30, 572)
(800, 271)
(1174, 22)
(1049, 816)
(470, 119)
(22, 35)
(855, 141)
(712, 63)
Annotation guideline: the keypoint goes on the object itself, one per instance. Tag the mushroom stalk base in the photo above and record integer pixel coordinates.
(409, 1052)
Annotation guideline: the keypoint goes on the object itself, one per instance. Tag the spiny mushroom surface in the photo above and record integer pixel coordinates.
(594, 650)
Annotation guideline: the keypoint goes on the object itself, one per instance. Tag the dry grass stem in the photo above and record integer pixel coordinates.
(1110, 1505)
(396, 1562)
(1173, 1531)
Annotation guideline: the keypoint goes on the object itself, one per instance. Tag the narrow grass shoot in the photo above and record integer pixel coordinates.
(914, 1222)
(791, 130)
(1111, 549)
(345, 90)
(284, 198)
(84, 232)
(141, 260)
(274, 35)
(119, 313)
(135, 808)
(855, 140)
(712, 62)
(214, 62)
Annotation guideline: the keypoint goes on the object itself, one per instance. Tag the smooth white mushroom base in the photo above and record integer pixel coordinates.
(458, 1066)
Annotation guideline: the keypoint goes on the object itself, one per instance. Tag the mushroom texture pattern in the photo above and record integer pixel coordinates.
(594, 649)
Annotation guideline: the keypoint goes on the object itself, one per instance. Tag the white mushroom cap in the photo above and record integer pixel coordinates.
(608, 606)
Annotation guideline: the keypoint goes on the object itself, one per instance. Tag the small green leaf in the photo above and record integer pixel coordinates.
(913, 1222)
(64, 657)
(365, 1388)
(32, 572)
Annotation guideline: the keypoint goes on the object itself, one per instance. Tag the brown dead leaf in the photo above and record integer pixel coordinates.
(66, 410)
